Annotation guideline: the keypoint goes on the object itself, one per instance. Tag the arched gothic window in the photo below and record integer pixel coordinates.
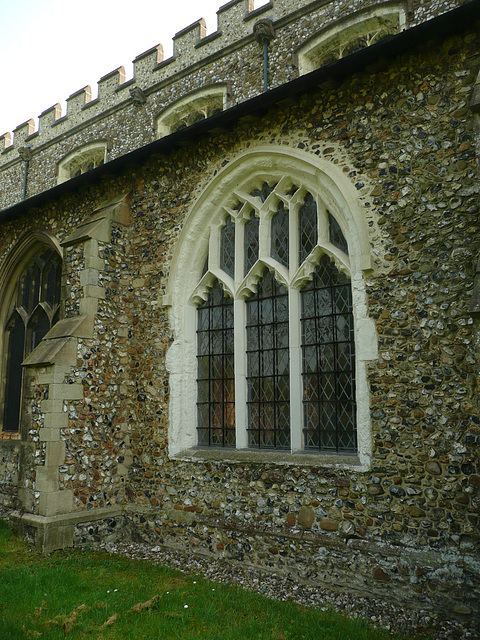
(293, 324)
(82, 160)
(269, 314)
(195, 106)
(357, 31)
(275, 305)
(33, 311)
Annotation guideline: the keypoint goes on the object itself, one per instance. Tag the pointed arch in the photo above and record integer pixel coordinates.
(30, 294)
(259, 183)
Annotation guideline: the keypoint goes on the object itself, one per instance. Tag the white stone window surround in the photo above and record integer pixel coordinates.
(186, 288)
(201, 101)
(383, 19)
(80, 159)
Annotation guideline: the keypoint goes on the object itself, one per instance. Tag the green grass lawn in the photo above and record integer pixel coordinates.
(81, 594)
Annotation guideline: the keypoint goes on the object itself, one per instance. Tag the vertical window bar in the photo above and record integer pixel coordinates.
(328, 361)
(268, 377)
(215, 371)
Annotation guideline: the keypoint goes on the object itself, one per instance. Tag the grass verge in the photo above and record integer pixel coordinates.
(93, 595)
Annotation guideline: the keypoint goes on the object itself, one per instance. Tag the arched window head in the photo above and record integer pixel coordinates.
(33, 310)
(192, 108)
(83, 159)
(358, 31)
(282, 336)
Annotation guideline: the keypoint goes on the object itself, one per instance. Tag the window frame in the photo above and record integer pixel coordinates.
(187, 287)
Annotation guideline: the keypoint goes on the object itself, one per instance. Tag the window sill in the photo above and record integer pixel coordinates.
(281, 458)
(7, 437)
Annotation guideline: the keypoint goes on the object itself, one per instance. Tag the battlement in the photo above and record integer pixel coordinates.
(231, 56)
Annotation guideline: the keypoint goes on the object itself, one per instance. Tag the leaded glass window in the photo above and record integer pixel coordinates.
(290, 382)
(268, 377)
(307, 223)
(336, 235)
(37, 301)
(251, 243)
(280, 244)
(227, 256)
(328, 359)
(215, 370)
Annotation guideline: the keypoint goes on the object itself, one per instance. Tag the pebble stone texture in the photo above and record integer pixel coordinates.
(406, 530)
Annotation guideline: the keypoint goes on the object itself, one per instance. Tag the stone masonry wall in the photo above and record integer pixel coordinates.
(403, 134)
(230, 55)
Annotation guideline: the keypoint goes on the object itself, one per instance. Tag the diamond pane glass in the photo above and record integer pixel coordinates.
(268, 379)
(307, 227)
(336, 235)
(279, 249)
(227, 247)
(328, 361)
(215, 371)
(251, 243)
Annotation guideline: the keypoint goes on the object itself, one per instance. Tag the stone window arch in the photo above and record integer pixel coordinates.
(344, 37)
(192, 108)
(31, 305)
(83, 159)
(251, 316)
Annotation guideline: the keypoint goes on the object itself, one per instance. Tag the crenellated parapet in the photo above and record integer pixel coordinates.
(231, 57)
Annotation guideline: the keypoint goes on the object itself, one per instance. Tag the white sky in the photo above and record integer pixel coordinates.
(51, 48)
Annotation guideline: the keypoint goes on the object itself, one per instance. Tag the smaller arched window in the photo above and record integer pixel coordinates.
(84, 159)
(192, 108)
(34, 310)
(345, 37)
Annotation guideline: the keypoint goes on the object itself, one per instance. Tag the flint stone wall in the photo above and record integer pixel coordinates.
(408, 527)
(231, 55)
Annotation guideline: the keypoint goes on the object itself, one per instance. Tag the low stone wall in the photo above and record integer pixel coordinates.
(429, 577)
(10, 458)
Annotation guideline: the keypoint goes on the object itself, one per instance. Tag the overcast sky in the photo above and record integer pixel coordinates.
(50, 48)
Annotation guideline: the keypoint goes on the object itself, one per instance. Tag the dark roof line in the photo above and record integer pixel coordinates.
(440, 26)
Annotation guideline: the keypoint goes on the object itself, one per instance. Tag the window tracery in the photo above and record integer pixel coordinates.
(190, 109)
(33, 312)
(82, 160)
(275, 301)
(325, 221)
(356, 32)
